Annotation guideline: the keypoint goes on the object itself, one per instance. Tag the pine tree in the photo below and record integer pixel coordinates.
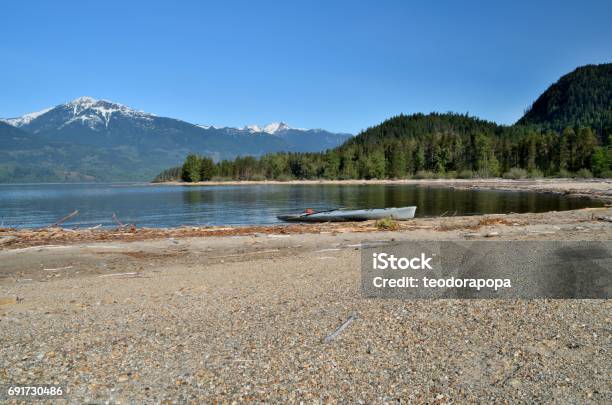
(531, 153)
(348, 168)
(207, 169)
(600, 162)
(419, 158)
(564, 149)
(374, 167)
(586, 142)
(331, 168)
(397, 162)
(190, 171)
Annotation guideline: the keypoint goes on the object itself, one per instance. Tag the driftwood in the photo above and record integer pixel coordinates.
(6, 239)
(121, 224)
(59, 268)
(329, 338)
(61, 221)
(124, 275)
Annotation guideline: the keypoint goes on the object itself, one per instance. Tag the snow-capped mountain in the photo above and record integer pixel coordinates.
(78, 114)
(95, 113)
(112, 141)
(271, 128)
(25, 119)
(86, 110)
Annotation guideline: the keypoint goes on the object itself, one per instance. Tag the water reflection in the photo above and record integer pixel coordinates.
(164, 206)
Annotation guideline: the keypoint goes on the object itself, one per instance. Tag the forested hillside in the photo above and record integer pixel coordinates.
(580, 98)
(434, 145)
(565, 133)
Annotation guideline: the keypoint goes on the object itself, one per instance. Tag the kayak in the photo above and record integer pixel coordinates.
(402, 213)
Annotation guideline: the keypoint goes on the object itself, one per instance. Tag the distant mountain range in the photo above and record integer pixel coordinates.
(99, 140)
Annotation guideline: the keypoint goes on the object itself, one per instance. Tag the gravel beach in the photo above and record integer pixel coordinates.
(244, 317)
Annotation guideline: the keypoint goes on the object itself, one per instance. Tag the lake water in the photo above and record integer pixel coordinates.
(35, 205)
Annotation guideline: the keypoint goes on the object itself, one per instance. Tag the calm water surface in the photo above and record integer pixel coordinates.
(35, 205)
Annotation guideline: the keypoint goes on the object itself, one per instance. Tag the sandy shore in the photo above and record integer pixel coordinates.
(205, 314)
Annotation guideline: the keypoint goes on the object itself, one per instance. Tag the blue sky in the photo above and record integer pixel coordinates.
(339, 65)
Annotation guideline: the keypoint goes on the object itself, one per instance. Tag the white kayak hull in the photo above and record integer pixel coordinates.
(400, 214)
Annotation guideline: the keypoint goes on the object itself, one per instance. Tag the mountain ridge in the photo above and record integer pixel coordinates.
(107, 107)
(582, 97)
(136, 145)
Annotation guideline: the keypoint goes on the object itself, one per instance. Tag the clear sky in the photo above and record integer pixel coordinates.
(338, 65)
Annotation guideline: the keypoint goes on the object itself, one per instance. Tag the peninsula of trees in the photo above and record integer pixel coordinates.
(566, 132)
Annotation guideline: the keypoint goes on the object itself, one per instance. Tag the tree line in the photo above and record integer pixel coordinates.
(421, 146)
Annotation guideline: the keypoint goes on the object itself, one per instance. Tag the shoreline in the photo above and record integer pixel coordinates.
(593, 188)
(596, 189)
(518, 226)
